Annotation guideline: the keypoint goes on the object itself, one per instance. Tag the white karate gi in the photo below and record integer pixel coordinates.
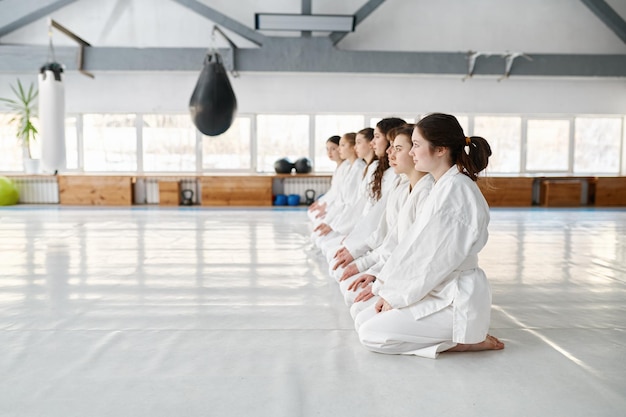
(335, 182)
(432, 279)
(363, 238)
(399, 222)
(355, 215)
(345, 195)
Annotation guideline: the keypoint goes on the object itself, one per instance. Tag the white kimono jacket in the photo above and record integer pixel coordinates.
(346, 190)
(343, 222)
(364, 215)
(436, 264)
(335, 183)
(370, 232)
(373, 262)
(336, 179)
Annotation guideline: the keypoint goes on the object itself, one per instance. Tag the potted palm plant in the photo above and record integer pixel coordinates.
(24, 110)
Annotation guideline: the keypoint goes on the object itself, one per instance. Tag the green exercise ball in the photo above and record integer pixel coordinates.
(9, 194)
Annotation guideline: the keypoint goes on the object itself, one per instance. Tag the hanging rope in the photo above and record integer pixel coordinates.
(51, 56)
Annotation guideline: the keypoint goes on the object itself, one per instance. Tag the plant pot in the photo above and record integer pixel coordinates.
(31, 166)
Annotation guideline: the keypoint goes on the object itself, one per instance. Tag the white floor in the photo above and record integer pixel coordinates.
(209, 312)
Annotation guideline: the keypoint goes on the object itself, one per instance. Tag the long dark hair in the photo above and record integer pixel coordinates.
(385, 125)
(444, 130)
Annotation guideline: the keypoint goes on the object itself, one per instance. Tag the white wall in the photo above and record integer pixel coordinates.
(339, 93)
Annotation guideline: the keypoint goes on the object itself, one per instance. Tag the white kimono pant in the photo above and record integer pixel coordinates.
(356, 308)
(398, 332)
(349, 295)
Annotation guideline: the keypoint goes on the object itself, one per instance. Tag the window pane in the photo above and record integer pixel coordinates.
(169, 143)
(280, 136)
(11, 155)
(597, 145)
(71, 143)
(547, 145)
(231, 149)
(464, 122)
(330, 125)
(110, 142)
(504, 136)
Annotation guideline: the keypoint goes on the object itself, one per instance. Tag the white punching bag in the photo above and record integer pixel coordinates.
(52, 118)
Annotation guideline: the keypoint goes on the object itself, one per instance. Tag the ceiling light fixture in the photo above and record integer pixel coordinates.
(300, 22)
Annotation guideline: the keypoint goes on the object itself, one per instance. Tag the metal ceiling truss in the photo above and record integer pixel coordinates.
(24, 12)
(308, 54)
(610, 18)
(314, 55)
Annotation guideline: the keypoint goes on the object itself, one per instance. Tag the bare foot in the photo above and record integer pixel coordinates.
(490, 343)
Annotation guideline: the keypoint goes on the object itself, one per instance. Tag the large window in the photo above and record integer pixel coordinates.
(504, 135)
(597, 145)
(330, 125)
(547, 144)
(71, 143)
(110, 142)
(231, 149)
(169, 143)
(153, 143)
(280, 136)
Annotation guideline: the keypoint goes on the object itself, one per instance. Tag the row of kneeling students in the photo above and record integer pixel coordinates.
(401, 228)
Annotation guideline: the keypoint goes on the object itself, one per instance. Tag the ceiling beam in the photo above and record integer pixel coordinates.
(306, 9)
(609, 16)
(24, 12)
(359, 16)
(312, 55)
(223, 20)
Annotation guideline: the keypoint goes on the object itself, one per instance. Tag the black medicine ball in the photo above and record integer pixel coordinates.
(283, 166)
(303, 166)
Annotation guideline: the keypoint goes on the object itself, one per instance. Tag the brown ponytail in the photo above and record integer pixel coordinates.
(445, 131)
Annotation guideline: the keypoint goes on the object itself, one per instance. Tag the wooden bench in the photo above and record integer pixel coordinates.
(169, 193)
(561, 193)
(95, 190)
(241, 190)
(610, 191)
(507, 192)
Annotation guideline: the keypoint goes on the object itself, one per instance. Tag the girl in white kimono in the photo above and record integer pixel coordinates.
(358, 275)
(382, 182)
(432, 296)
(340, 222)
(318, 208)
(347, 188)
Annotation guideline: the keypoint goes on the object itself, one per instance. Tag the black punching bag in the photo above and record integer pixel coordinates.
(213, 103)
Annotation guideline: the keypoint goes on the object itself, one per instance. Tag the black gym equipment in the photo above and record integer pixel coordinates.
(283, 166)
(303, 165)
(213, 103)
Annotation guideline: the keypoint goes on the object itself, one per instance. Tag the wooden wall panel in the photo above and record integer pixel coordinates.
(236, 191)
(90, 190)
(610, 191)
(507, 192)
(169, 193)
(561, 193)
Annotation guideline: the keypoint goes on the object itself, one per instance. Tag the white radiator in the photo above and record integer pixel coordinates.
(147, 189)
(300, 185)
(37, 190)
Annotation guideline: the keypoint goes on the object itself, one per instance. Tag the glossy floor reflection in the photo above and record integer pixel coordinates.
(208, 312)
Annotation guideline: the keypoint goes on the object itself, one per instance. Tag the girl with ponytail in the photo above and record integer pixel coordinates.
(432, 295)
